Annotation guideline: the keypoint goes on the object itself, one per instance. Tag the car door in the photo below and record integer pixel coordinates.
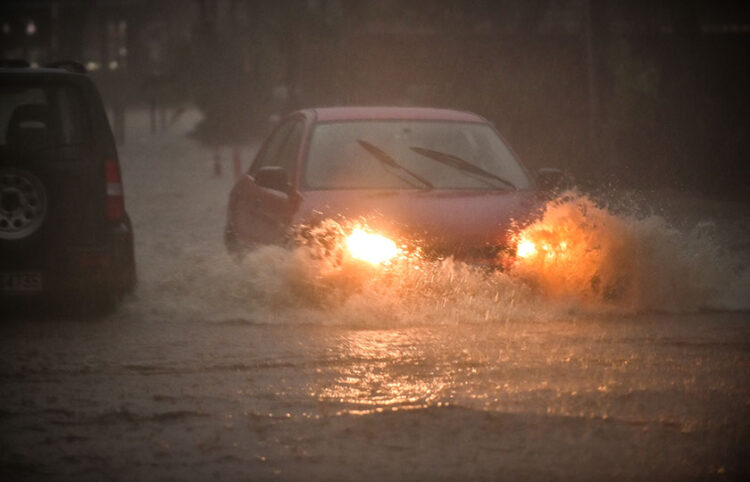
(261, 215)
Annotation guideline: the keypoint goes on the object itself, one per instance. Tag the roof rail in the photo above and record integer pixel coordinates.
(69, 65)
(14, 63)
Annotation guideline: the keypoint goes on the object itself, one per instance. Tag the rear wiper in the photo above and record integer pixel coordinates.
(460, 164)
(387, 160)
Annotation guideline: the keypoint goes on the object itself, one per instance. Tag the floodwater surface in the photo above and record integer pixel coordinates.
(617, 347)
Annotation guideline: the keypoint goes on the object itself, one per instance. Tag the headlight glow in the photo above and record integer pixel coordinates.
(370, 247)
(525, 248)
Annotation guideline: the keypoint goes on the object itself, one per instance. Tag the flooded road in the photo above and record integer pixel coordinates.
(275, 369)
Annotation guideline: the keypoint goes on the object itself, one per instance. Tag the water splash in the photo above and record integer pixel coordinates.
(587, 260)
(592, 259)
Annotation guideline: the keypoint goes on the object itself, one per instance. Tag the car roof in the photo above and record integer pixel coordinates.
(325, 114)
(36, 71)
(15, 74)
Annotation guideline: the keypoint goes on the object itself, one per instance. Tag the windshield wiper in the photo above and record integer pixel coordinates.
(460, 164)
(387, 160)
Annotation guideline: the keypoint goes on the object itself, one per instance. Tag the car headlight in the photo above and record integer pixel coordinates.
(370, 247)
(525, 248)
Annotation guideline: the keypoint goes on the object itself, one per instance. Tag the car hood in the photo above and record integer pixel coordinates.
(437, 217)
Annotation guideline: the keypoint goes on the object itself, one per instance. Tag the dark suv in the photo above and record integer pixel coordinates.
(64, 233)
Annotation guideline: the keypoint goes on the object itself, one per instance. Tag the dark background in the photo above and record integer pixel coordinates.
(633, 93)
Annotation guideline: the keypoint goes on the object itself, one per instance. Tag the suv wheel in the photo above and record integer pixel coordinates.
(23, 203)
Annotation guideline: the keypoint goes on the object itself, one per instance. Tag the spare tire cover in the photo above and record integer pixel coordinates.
(23, 203)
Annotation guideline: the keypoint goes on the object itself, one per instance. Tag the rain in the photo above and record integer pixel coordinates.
(609, 337)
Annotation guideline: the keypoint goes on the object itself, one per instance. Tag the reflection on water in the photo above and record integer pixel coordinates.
(385, 370)
(590, 369)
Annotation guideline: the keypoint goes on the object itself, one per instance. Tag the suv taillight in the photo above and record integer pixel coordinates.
(115, 199)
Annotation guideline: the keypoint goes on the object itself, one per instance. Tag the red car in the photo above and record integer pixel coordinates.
(445, 178)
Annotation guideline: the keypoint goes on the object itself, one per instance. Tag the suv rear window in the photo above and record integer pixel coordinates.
(39, 117)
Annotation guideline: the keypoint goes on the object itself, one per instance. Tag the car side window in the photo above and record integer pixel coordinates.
(271, 150)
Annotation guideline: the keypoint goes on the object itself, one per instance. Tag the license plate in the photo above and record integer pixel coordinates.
(20, 281)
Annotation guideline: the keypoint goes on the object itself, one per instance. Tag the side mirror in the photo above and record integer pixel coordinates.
(552, 180)
(273, 177)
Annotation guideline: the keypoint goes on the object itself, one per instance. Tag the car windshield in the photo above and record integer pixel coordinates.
(410, 155)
